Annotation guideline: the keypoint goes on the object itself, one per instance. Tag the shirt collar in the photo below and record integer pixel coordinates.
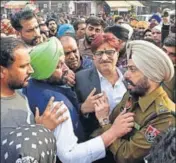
(101, 77)
(146, 101)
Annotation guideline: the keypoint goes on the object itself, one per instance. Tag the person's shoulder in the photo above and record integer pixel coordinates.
(86, 62)
(84, 72)
(164, 105)
(48, 93)
(87, 59)
(34, 87)
(80, 42)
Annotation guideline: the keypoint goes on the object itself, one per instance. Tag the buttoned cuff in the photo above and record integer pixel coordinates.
(97, 148)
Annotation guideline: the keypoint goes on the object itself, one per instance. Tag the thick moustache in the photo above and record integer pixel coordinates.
(130, 82)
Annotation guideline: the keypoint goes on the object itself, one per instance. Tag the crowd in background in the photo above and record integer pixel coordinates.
(103, 86)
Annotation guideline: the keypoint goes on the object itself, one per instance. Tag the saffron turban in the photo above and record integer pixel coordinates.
(152, 61)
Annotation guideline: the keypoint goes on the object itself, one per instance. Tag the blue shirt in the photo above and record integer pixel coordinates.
(85, 63)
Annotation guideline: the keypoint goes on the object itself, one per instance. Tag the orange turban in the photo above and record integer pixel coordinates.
(143, 24)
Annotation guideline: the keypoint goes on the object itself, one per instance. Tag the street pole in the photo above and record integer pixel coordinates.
(49, 6)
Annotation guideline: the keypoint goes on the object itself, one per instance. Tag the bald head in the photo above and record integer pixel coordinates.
(67, 40)
(72, 56)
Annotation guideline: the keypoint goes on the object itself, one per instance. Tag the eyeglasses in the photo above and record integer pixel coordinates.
(69, 52)
(109, 53)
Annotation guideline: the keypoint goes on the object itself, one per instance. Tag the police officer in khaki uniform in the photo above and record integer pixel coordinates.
(148, 66)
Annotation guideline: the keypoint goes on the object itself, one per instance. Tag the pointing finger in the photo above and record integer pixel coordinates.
(92, 92)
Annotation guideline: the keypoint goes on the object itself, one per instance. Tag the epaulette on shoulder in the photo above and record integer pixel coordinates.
(164, 106)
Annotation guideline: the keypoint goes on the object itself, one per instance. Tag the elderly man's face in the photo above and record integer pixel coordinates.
(91, 32)
(61, 69)
(105, 58)
(18, 74)
(30, 32)
(137, 84)
(156, 35)
(72, 56)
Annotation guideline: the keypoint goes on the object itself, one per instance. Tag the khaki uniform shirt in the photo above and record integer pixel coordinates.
(152, 116)
(84, 48)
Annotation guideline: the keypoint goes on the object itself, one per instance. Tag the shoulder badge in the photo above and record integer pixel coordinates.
(160, 109)
(151, 133)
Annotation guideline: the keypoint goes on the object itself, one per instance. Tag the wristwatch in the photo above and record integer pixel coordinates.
(104, 121)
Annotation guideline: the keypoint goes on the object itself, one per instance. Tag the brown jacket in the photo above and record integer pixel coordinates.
(153, 114)
(84, 48)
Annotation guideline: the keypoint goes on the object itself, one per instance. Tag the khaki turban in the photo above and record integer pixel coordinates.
(45, 58)
(151, 60)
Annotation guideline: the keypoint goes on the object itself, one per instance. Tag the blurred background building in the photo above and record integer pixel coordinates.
(82, 7)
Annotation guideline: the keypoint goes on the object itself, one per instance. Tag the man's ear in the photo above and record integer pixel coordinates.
(3, 72)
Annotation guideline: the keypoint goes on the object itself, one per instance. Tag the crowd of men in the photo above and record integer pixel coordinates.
(87, 91)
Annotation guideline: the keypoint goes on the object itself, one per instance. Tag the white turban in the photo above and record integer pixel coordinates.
(157, 27)
(152, 61)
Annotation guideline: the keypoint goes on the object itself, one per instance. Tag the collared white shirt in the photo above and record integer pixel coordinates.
(114, 94)
(69, 151)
